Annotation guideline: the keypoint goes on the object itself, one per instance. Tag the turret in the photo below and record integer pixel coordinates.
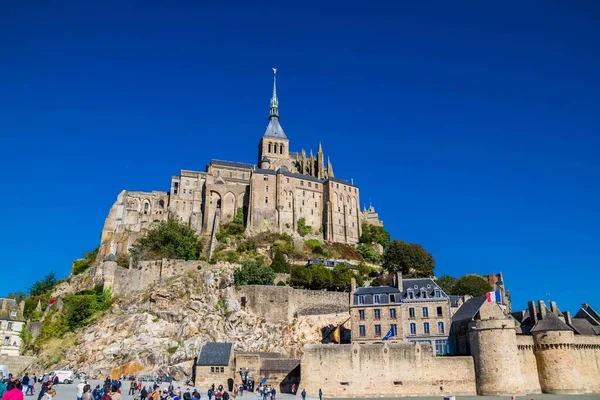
(553, 347)
(493, 343)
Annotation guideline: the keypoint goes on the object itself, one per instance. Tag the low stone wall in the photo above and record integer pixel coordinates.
(586, 355)
(17, 364)
(379, 370)
(281, 304)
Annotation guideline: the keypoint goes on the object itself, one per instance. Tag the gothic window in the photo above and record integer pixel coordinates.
(161, 204)
(146, 207)
(281, 149)
(270, 147)
(267, 189)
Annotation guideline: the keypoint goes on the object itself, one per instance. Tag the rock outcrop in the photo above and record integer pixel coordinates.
(162, 328)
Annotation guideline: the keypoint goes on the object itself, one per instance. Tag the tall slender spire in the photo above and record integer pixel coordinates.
(274, 111)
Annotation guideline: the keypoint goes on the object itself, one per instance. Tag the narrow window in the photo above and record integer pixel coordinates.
(230, 174)
(361, 315)
(309, 184)
(303, 193)
(147, 206)
(413, 328)
(423, 294)
(425, 312)
(287, 180)
(377, 330)
(243, 175)
(411, 312)
(300, 209)
(440, 312)
(376, 298)
(394, 329)
(361, 331)
(289, 204)
(316, 185)
(9, 327)
(301, 183)
(265, 178)
(411, 295)
(426, 328)
(302, 202)
(361, 299)
(392, 313)
(269, 147)
(311, 212)
(316, 204)
(222, 369)
(267, 189)
(161, 204)
(392, 296)
(438, 293)
(440, 327)
(183, 191)
(266, 200)
(337, 185)
(281, 149)
(377, 314)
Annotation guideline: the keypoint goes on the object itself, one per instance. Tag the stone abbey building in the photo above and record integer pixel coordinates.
(274, 194)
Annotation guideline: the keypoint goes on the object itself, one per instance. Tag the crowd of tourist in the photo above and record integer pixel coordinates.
(17, 388)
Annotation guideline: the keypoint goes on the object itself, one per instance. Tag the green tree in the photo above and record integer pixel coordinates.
(302, 228)
(253, 273)
(18, 296)
(412, 259)
(45, 285)
(169, 239)
(374, 234)
(368, 253)
(474, 285)
(322, 278)
(279, 263)
(342, 277)
(446, 283)
(301, 277)
(84, 263)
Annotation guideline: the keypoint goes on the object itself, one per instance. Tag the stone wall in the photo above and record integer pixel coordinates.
(371, 370)
(127, 280)
(281, 304)
(528, 364)
(586, 355)
(17, 364)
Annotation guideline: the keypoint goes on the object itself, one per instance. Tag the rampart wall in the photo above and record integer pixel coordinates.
(528, 363)
(391, 369)
(279, 304)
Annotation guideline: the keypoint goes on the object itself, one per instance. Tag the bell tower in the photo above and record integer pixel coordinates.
(274, 144)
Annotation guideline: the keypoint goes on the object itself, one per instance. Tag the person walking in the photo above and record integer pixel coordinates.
(2, 388)
(97, 393)
(80, 387)
(320, 394)
(303, 394)
(114, 393)
(25, 382)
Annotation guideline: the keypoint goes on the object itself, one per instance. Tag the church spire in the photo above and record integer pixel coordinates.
(274, 110)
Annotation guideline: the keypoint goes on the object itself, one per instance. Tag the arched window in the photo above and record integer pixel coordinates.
(161, 204)
(281, 149)
(146, 207)
(270, 147)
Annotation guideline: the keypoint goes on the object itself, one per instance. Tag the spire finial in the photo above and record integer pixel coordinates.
(274, 111)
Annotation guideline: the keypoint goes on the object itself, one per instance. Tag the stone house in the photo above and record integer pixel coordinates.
(415, 310)
(11, 324)
(219, 364)
(215, 365)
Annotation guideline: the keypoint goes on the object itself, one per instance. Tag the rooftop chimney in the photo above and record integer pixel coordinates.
(543, 309)
(352, 285)
(532, 312)
(399, 281)
(554, 308)
(568, 318)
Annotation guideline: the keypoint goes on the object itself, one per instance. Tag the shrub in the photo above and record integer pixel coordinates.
(247, 246)
(123, 261)
(279, 263)
(375, 234)
(368, 253)
(281, 283)
(235, 228)
(83, 264)
(253, 273)
(168, 239)
(316, 247)
(302, 228)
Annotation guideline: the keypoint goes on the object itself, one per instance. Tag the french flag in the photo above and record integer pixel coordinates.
(494, 297)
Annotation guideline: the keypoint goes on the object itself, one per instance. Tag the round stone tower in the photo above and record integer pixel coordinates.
(553, 340)
(494, 348)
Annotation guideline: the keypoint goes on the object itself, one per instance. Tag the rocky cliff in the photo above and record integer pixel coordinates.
(162, 328)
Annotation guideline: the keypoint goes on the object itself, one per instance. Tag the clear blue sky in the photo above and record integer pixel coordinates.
(473, 128)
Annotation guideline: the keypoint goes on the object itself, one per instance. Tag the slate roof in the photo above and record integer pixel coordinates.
(588, 313)
(583, 327)
(232, 164)
(274, 129)
(418, 284)
(550, 323)
(376, 290)
(283, 364)
(469, 309)
(213, 353)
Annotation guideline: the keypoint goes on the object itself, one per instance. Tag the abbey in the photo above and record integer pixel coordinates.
(274, 194)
